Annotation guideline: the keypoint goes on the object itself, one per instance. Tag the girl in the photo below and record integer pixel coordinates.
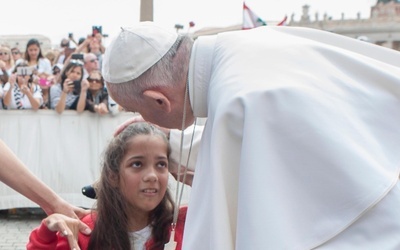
(21, 92)
(70, 93)
(35, 58)
(134, 207)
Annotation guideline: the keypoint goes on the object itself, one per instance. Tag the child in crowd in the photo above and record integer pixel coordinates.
(134, 207)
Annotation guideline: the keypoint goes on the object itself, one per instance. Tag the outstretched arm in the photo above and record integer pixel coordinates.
(57, 231)
(16, 175)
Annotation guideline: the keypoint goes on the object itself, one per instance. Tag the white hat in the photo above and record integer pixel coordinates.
(135, 50)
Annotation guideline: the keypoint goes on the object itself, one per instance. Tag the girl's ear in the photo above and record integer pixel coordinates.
(114, 180)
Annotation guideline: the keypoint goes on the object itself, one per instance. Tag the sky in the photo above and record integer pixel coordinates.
(56, 18)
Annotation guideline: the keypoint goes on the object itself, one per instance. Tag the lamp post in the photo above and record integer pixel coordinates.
(146, 10)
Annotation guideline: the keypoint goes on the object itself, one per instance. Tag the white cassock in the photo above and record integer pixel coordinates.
(301, 148)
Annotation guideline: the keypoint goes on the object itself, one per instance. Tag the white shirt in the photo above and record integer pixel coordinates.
(139, 238)
(25, 102)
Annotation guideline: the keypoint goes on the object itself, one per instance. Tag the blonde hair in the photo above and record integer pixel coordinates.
(10, 63)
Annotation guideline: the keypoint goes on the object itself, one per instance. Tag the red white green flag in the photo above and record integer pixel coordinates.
(250, 19)
(283, 22)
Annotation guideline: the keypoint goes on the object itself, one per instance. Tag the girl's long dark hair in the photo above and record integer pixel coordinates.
(67, 69)
(111, 227)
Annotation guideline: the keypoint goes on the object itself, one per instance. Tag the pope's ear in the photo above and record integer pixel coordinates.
(157, 100)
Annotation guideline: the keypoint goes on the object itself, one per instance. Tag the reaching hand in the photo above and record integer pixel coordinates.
(66, 226)
(121, 127)
(62, 207)
(134, 119)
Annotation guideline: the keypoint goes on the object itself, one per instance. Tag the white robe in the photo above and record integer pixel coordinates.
(301, 144)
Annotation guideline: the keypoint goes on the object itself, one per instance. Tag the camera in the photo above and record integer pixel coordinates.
(77, 87)
(97, 30)
(77, 56)
(43, 82)
(24, 71)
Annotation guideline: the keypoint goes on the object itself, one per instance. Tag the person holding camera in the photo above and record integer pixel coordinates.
(20, 92)
(70, 93)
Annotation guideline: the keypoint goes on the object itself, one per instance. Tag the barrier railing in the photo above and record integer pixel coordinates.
(62, 150)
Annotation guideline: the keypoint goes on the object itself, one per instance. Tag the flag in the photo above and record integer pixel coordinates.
(250, 19)
(283, 22)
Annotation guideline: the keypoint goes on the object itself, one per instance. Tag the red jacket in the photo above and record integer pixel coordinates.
(42, 238)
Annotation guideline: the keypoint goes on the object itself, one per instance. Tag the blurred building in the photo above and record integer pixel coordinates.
(20, 41)
(382, 27)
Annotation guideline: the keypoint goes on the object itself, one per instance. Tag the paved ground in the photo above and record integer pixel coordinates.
(16, 225)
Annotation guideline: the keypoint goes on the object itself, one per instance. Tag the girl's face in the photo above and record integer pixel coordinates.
(23, 79)
(75, 73)
(33, 51)
(144, 173)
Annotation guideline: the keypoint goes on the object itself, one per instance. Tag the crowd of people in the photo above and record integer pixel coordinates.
(68, 78)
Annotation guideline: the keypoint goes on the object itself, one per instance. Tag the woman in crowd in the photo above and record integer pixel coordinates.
(35, 58)
(20, 92)
(70, 93)
(134, 207)
(6, 57)
(97, 96)
(17, 55)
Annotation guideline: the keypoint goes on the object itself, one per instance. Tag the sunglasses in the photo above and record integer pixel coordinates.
(94, 80)
(15, 52)
(3, 53)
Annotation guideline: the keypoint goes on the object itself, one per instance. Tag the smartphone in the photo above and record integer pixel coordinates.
(97, 30)
(77, 56)
(77, 87)
(24, 71)
(70, 35)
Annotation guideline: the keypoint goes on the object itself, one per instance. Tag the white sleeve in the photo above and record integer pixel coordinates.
(175, 141)
(55, 95)
(6, 87)
(44, 66)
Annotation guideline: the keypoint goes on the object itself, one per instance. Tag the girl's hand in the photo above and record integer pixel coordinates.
(24, 87)
(68, 86)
